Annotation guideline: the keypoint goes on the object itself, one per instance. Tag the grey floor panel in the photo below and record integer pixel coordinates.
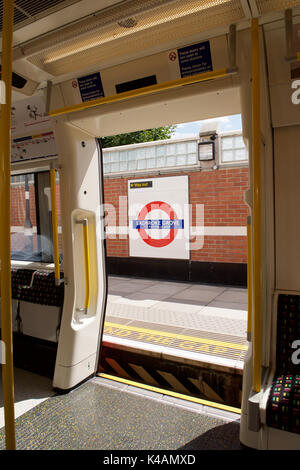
(29, 390)
(100, 417)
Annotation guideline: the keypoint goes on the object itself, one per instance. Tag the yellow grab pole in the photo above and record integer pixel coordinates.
(256, 216)
(249, 278)
(54, 226)
(5, 244)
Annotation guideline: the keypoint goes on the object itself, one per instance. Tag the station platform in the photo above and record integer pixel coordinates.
(190, 338)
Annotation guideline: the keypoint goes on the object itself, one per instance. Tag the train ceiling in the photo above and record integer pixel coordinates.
(109, 31)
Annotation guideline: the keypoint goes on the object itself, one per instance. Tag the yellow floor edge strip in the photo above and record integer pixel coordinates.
(200, 401)
(177, 336)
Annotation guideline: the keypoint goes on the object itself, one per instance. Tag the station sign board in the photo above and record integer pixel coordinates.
(158, 212)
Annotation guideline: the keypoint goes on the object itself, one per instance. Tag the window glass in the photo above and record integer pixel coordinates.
(228, 156)
(31, 217)
(141, 164)
(227, 143)
(171, 154)
(240, 154)
(233, 149)
(170, 149)
(132, 165)
(23, 223)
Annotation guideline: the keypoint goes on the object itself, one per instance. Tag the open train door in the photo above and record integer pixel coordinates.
(84, 271)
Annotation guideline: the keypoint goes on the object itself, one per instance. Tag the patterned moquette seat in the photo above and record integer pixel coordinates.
(20, 277)
(42, 290)
(283, 406)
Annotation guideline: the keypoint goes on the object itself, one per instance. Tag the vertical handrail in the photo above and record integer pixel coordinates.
(249, 278)
(5, 242)
(87, 264)
(87, 269)
(257, 232)
(54, 226)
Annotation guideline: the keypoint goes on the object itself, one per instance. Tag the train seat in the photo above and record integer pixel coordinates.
(42, 290)
(20, 277)
(33, 289)
(283, 404)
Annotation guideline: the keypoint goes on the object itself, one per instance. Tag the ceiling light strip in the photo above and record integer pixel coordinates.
(200, 77)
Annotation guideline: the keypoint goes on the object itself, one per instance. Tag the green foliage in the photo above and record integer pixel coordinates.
(149, 135)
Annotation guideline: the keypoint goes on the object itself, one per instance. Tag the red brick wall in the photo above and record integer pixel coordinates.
(17, 205)
(222, 193)
(113, 188)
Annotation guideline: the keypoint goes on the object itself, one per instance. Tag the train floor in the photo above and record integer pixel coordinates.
(190, 322)
(106, 415)
(30, 390)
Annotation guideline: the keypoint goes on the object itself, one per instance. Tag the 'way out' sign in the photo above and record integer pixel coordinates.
(159, 217)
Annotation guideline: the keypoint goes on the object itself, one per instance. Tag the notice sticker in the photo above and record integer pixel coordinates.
(195, 59)
(90, 87)
(141, 184)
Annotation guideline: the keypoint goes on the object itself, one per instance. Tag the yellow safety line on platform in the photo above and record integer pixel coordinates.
(178, 336)
(200, 77)
(5, 241)
(200, 401)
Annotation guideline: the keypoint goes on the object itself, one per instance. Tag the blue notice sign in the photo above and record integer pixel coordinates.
(195, 59)
(90, 87)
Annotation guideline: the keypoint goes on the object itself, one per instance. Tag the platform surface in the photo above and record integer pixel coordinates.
(196, 321)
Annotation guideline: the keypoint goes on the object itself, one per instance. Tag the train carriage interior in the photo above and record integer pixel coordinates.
(97, 243)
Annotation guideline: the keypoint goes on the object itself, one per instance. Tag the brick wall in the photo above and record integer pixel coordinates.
(17, 204)
(222, 193)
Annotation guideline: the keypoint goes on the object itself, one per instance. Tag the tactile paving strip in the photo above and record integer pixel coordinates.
(190, 320)
(213, 344)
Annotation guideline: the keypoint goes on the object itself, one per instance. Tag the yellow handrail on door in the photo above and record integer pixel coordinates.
(5, 243)
(256, 215)
(54, 226)
(87, 264)
(86, 250)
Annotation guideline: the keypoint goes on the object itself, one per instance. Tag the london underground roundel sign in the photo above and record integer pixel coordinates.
(171, 223)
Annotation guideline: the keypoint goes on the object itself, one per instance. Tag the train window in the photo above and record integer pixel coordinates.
(152, 155)
(31, 223)
(233, 149)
